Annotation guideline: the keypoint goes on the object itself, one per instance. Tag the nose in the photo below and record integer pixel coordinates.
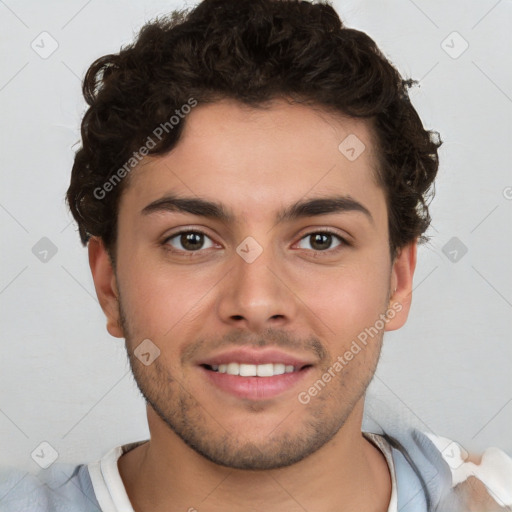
(257, 294)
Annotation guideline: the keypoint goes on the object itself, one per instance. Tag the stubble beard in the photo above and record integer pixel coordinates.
(313, 425)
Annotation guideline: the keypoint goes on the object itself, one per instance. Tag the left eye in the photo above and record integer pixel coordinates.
(321, 239)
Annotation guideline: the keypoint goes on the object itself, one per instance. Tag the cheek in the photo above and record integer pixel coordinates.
(350, 298)
(158, 300)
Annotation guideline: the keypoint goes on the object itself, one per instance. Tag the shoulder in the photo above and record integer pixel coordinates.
(480, 483)
(21, 490)
(435, 473)
(61, 487)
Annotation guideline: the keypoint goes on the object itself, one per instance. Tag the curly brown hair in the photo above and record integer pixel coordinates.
(252, 51)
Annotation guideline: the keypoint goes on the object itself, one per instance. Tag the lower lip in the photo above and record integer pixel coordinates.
(255, 388)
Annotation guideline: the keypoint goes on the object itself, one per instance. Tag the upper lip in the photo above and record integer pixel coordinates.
(251, 356)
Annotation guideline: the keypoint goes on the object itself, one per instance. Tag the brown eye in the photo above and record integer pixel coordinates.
(188, 241)
(322, 241)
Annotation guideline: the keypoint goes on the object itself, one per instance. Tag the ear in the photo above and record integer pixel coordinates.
(105, 284)
(402, 274)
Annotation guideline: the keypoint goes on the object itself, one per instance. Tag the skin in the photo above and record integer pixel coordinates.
(209, 450)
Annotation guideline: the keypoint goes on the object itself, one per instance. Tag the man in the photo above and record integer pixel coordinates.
(252, 185)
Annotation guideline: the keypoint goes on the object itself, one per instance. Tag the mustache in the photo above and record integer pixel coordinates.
(268, 338)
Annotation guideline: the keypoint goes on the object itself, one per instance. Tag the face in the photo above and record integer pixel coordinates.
(255, 279)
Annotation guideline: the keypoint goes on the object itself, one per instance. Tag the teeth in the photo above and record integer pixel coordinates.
(279, 369)
(254, 370)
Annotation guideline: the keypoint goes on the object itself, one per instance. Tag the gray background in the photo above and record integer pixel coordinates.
(65, 381)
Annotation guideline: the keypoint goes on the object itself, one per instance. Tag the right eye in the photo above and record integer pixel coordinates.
(187, 241)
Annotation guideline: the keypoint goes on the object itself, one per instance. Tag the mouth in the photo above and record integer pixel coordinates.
(255, 382)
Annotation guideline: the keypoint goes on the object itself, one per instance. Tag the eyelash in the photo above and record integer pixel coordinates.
(197, 231)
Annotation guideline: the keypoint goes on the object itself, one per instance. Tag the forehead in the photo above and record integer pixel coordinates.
(257, 159)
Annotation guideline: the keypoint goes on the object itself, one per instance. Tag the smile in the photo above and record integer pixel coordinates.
(255, 381)
(253, 370)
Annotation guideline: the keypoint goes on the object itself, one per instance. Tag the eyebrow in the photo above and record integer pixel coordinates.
(217, 211)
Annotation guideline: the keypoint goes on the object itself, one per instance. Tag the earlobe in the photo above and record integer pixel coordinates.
(402, 275)
(105, 284)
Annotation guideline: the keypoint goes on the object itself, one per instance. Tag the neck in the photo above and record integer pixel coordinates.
(165, 474)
